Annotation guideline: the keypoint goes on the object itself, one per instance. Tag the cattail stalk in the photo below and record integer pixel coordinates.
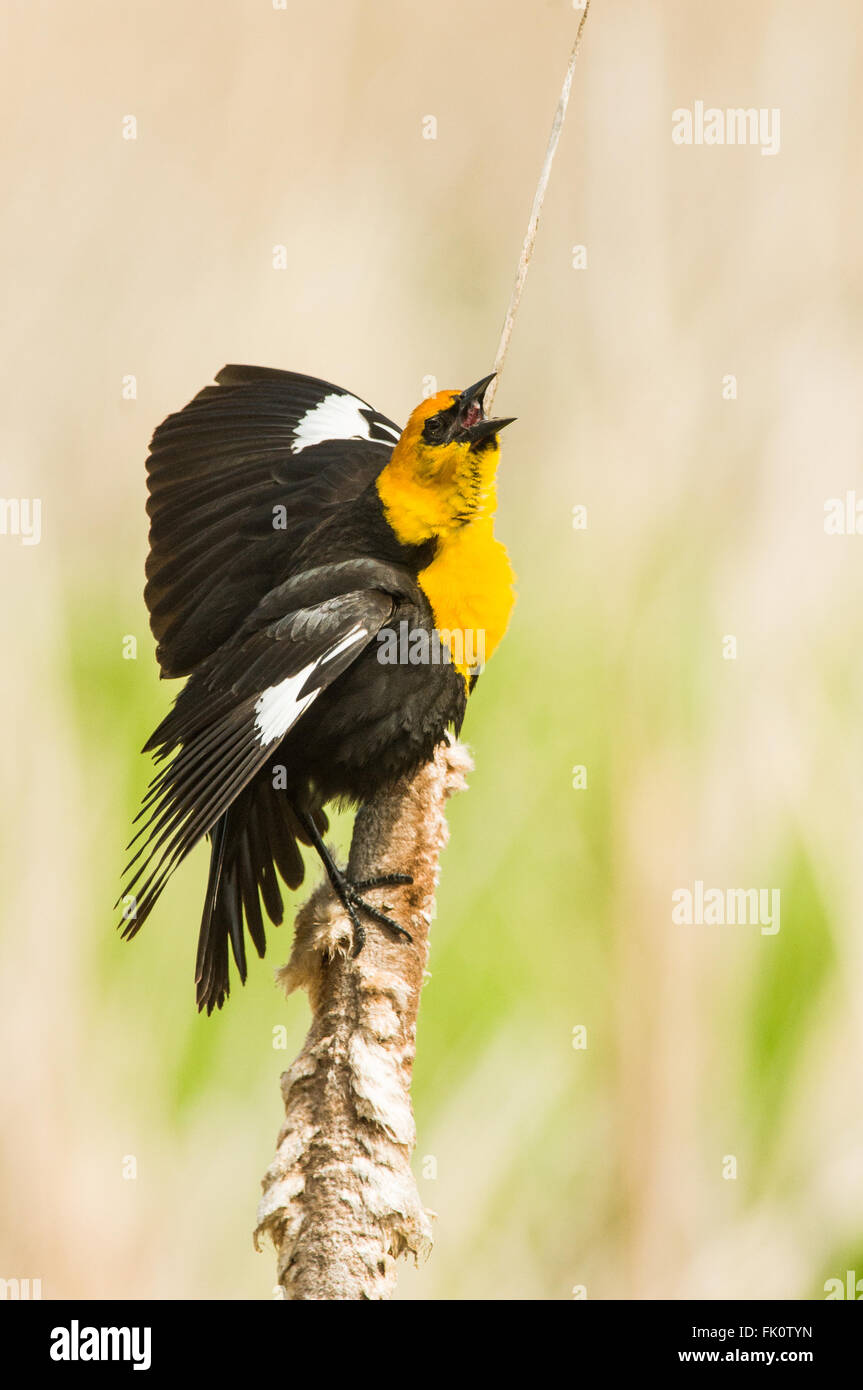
(340, 1202)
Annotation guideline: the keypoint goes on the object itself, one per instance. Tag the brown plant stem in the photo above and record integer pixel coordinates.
(536, 209)
(340, 1202)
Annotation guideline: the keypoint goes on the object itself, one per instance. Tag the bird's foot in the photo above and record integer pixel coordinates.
(351, 895)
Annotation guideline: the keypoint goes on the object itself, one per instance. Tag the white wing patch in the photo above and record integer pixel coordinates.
(280, 706)
(337, 416)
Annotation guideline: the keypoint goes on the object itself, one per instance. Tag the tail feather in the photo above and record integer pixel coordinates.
(255, 837)
(212, 961)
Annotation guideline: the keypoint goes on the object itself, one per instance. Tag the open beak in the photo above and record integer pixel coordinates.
(476, 392)
(485, 429)
(482, 429)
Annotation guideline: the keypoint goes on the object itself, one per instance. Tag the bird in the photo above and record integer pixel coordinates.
(294, 528)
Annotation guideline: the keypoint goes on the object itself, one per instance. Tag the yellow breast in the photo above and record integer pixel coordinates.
(469, 585)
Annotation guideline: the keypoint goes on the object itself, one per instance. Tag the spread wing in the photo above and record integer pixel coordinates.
(237, 479)
(228, 720)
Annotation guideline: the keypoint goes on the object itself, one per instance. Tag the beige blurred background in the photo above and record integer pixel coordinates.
(551, 1167)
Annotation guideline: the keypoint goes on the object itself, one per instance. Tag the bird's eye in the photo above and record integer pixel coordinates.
(434, 429)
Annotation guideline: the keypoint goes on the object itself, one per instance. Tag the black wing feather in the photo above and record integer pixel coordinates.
(216, 471)
(215, 739)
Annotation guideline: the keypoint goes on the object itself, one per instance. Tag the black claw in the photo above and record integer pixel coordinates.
(381, 917)
(347, 901)
(359, 933)
(349, 893)
(354, 903)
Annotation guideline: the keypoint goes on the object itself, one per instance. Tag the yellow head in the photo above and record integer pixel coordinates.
(441, 474)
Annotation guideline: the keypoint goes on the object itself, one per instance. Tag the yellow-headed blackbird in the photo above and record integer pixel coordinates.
(292, 528)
